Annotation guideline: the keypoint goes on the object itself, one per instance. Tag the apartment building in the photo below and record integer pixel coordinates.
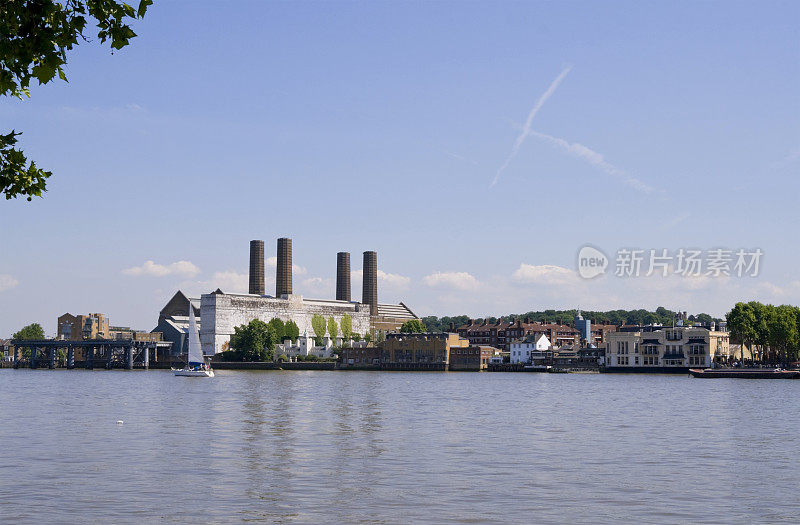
(82, 327)
(656, 348)
(501, 333)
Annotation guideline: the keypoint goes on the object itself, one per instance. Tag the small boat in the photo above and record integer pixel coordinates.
(197, 366)
(745, 373)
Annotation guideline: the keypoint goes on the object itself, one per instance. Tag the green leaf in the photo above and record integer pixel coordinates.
(143, 5)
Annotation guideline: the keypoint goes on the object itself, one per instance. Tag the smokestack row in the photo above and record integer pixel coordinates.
(283, 280)
(343, 276)
(283, 277)
(257, 268)
(369, 291)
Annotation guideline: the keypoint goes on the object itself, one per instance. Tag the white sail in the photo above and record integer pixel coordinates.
(195, 351)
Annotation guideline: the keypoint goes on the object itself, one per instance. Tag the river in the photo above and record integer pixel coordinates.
(395, 447)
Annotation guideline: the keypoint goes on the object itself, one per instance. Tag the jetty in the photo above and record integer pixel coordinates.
(100, 353)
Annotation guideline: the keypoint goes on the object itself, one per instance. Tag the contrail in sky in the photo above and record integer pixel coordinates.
(595, 159)
(526, 130)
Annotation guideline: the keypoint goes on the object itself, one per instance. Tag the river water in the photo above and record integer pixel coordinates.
(394, 447)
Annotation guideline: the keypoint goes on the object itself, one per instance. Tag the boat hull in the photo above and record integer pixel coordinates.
(745, 374)
(182, 372)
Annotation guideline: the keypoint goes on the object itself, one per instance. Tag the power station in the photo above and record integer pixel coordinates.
(221, 312)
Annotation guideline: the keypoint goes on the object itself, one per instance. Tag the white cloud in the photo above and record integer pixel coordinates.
(526, 129)
(229, 282)
(595, 159)
(7, 282)
(544, 274)
(272, 262)
(392, 281)
(453, 280)
(318, 287)
(182, 268)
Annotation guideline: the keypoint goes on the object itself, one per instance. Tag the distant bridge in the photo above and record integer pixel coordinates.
(105, 353)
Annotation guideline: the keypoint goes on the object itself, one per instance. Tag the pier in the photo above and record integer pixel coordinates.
(97, 353)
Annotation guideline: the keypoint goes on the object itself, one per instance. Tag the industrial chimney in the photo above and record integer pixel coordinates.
(257, 268)
(343, 276)
(369, 293)
(283, 277)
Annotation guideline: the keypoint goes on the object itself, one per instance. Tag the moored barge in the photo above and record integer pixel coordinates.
(745, 373)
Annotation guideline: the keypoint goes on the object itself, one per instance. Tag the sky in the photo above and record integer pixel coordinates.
(476, 146)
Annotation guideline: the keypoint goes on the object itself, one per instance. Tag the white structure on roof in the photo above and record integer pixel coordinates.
(523, 350)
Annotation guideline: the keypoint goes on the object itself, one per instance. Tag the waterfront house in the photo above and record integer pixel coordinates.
(6, 350)
(656, 348)
(531, 348)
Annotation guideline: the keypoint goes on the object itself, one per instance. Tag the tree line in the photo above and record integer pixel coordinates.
(771, 332)
(660, 315)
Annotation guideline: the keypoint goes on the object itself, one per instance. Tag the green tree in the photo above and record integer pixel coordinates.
(320, 326)
(761, 314)
(35, 36)
(346, 325)
(254, 341)
(355, 336)
(33, 331)
(741, 324)
(333, 329)
(783, 336)
(368, 337)
(291, 331)
(279, 327)
(413, 326)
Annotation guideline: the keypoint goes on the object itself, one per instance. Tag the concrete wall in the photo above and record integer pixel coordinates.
(220, 313)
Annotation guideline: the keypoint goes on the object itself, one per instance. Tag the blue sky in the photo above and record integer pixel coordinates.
(381, 126)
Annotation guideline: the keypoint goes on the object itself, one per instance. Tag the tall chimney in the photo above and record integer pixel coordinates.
(343, 276)
(257, 268)
(283, 277)
(369, 291)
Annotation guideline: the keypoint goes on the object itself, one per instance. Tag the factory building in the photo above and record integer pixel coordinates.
(173, 319)
(221, 312)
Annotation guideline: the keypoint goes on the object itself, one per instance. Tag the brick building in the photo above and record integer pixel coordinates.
(360, 357)
(474, 358)
(82, 327)
(502, 333)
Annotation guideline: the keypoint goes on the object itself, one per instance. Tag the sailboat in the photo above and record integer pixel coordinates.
(197, 366)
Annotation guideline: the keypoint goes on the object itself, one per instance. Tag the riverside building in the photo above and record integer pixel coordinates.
(433, 351)
(530, 348)
(501, 334)
(656, 348)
